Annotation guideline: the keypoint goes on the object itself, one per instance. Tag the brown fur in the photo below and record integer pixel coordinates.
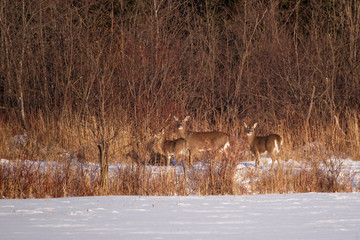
(202, 141)
(168, 147)
(261, 144)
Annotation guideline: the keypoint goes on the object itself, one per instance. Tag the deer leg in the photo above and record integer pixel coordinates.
(272, 162)
(226, 153)
(167, 160)
(177, 160)
(273, 159)
(257, 160)
(184, 165)
(278, 162)
(217, 157)
(190, 158)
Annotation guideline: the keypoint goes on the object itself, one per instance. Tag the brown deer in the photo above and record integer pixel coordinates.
(202, 141)
(168, 147)
(262, 144)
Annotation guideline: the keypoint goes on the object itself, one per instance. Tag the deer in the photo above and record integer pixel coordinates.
(169, 147)
(262, 144)
(202, 141)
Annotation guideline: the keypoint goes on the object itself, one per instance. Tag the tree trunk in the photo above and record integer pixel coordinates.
(104, 165)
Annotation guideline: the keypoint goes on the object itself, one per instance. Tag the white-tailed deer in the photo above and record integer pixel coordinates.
(202, 141)
(169, 147)
(262, 144)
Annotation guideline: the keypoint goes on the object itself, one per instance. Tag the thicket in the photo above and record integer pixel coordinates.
(96, 79)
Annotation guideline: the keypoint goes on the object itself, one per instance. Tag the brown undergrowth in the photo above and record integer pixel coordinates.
(94, 81)
(34, 179)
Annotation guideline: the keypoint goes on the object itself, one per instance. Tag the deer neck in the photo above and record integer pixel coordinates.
(159, 145)
(162, 141)
(251, 138)
(183, 133)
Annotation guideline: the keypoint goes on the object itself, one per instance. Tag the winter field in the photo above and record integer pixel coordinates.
(272, 216)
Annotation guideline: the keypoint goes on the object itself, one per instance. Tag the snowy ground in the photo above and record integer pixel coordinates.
(277, 216)
(348, 169)
(287, 216)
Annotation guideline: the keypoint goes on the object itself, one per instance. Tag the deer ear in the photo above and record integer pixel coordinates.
(255, 125)
(245, 124)
(187, 118)
(176, 118)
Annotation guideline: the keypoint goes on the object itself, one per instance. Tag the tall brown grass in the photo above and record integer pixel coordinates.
(94, 81)
(30, 179)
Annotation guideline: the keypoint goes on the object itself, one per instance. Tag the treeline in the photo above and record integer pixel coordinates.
(119, 68)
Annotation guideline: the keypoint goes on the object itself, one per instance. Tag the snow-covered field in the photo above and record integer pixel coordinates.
(276, 216)
(287, 216)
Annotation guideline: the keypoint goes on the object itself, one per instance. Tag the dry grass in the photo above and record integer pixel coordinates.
(100, 90)
(62, 178)
(60, 141)
(310, 177)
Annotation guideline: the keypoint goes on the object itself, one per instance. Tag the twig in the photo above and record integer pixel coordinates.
(338, 125)
(310, 107)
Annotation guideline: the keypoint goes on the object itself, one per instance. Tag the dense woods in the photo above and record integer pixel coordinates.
(97, 79)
